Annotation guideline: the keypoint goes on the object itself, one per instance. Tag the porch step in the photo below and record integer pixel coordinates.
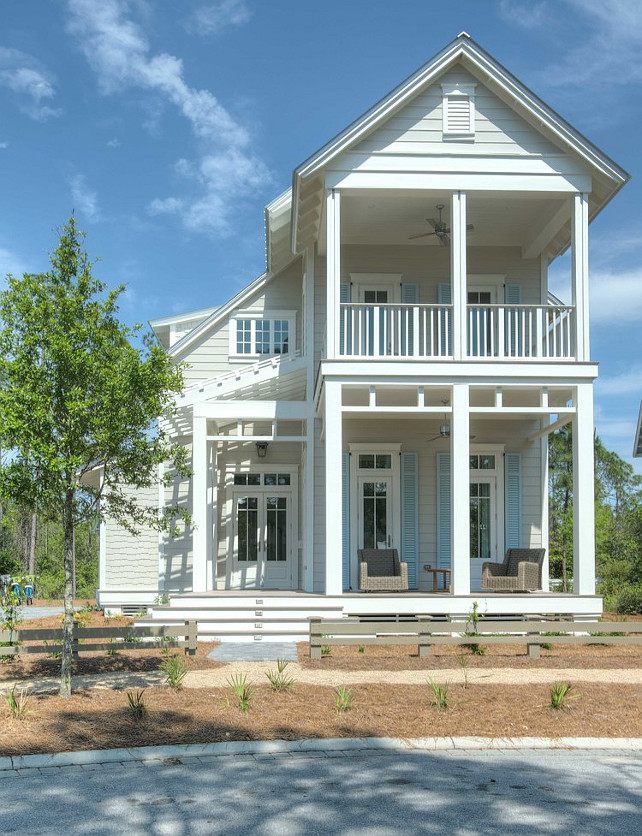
(239, 619)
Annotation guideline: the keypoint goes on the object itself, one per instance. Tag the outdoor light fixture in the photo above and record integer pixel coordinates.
(261, 449)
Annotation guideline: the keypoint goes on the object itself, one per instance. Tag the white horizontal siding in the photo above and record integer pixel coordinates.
(131, 561)
(177, 550)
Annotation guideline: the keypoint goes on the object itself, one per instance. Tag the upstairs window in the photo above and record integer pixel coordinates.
(459, 111)
(258, 335)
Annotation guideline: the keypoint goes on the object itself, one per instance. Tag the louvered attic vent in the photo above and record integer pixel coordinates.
(459, 110)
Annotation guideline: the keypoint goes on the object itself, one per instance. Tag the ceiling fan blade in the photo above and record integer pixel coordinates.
(444, 240)
(433, 223)
(470, 227)
(421, 235)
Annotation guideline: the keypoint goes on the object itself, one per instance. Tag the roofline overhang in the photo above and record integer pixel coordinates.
(462, 46)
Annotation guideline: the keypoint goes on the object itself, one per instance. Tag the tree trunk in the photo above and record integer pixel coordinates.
(73, 563)
(68, 623)
(32, 544)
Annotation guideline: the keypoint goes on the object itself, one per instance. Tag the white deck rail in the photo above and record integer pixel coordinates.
(500, 332)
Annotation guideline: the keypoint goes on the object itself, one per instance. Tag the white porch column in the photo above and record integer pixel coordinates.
(583, 493)
(333, 255)
(212, 515)
(580, 274)
(200, 509)
(460, 487)
(333, 489)
(458, 274)
(308, 509)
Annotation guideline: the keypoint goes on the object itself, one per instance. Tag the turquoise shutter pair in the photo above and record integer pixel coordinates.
(512, 506)
(409, 296)
(409, 516)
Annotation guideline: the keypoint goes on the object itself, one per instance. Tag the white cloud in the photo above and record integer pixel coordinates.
(4, 144)
(616, 297)
(84, 199)
(13, 263)
(525, 16)
(117, 50)
(31, 83)
(113, 143)
(611, 54)
(629, 382)
(216, 17)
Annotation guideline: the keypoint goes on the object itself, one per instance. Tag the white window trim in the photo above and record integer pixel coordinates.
(465, 91)
(271, 316)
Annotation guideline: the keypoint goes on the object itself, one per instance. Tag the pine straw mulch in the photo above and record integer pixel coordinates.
(97, 719)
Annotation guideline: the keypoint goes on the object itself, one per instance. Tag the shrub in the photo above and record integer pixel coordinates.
(241, 689)
(627, 598)
(279, 680)
(175, 671)
(344, 699)
(560, 695)
(17, 703)
(136, 704)
(440, 694)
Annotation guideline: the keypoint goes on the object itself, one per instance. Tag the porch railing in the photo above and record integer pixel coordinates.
(500, 332)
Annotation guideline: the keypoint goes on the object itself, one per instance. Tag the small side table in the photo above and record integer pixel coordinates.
(445, 579)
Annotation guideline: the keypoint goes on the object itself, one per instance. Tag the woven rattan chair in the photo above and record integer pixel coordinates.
(380, 570)
(521, 571)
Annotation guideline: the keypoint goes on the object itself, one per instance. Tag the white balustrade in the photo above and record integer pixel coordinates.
(500, 332)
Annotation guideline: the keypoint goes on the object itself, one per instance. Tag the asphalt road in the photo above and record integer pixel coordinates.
(353, 793)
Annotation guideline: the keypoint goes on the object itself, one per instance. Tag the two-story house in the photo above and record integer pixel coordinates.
(392, 378)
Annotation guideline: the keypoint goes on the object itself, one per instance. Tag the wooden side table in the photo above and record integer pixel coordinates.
(445, 579)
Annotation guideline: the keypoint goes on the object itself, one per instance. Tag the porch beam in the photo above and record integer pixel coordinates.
(549, 428)
(583, 494)
(234, 439)
(333, 490)
(502, 411)
(222, 411)
(460, 490)
(542, 236)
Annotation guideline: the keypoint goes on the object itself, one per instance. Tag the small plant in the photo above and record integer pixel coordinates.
(175, 671)
(111, 651)
(465, 667)
(546, 645)
(279, 680)
(136, 704)
(473, 630)
(344, 699)
(440, 694)
(361, 649)
(17, 703)
(241, 689)
(160, 600)
(325, 648)
(53, 654)
(560, 695)
(10, 612)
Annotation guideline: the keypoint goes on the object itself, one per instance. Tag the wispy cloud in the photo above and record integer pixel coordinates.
(84, 199)
(29, 81)
(616, 297)
(11, 262)
(628, 382)
(113, 143)
(529, 16)
(4, 144)
(214, 18)
(225, 170)
(612, 52)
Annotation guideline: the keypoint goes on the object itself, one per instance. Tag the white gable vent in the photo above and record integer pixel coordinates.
(459, 110)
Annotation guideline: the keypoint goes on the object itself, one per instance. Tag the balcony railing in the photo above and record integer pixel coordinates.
(499, 332)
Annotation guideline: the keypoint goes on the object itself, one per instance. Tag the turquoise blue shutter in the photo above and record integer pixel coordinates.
(410, 515)
(345, 518)
(445, 297)
(514, 337)
(443, 511)
(409, 296)
(345, 319)
(513, 500)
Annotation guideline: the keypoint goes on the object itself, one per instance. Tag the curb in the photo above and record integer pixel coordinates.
(280, 747)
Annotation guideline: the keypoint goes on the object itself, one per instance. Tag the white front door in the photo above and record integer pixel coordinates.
(375, 513)
(483, 526)
(262, 542)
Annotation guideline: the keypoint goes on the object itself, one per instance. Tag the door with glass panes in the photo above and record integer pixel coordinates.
(483, 534)
(262, 532)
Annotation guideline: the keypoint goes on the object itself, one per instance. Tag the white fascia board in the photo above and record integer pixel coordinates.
(176, 319)
(219, 315)
(637, 442)
(222, 411)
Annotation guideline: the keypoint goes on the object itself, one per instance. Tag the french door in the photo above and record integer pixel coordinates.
(483, 533)
(378, 326)
(375, 512)
(262, 542)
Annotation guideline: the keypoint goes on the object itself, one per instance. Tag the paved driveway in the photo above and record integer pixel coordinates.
(351, 793)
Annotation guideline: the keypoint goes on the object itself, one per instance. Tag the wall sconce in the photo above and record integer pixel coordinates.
(261, 449)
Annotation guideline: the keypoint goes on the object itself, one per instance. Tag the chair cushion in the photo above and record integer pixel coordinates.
(381, 565)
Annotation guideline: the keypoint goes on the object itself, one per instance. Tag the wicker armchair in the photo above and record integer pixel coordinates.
(380, 570)
(521, 571)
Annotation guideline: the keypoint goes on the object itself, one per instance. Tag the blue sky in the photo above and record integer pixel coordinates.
(167, 127)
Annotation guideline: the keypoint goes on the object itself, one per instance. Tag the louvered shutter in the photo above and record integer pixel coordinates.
(444, 511)
(443, 341)
(345, 321)
(409, 296)
(513, 500)
(514, 341)
(410, 515)
(345, 519)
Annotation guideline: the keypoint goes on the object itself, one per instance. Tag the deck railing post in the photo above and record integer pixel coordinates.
(191, 635)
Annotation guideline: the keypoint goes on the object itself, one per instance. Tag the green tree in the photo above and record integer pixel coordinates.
(560, 477)
(78, 406)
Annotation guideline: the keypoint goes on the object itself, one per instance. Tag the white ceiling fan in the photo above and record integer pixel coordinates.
(440, 228)
(444, 428)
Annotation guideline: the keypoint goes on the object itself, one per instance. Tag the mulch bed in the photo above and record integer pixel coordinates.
(98, 719)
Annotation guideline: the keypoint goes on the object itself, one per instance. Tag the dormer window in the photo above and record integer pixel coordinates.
(459, 110)
(254, 334)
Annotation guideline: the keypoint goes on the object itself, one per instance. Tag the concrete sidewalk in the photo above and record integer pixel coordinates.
(255, 672)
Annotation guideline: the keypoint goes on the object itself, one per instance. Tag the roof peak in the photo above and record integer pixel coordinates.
(464, 34)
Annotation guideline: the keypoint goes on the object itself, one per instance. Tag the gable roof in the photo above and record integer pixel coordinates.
(465, 51)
